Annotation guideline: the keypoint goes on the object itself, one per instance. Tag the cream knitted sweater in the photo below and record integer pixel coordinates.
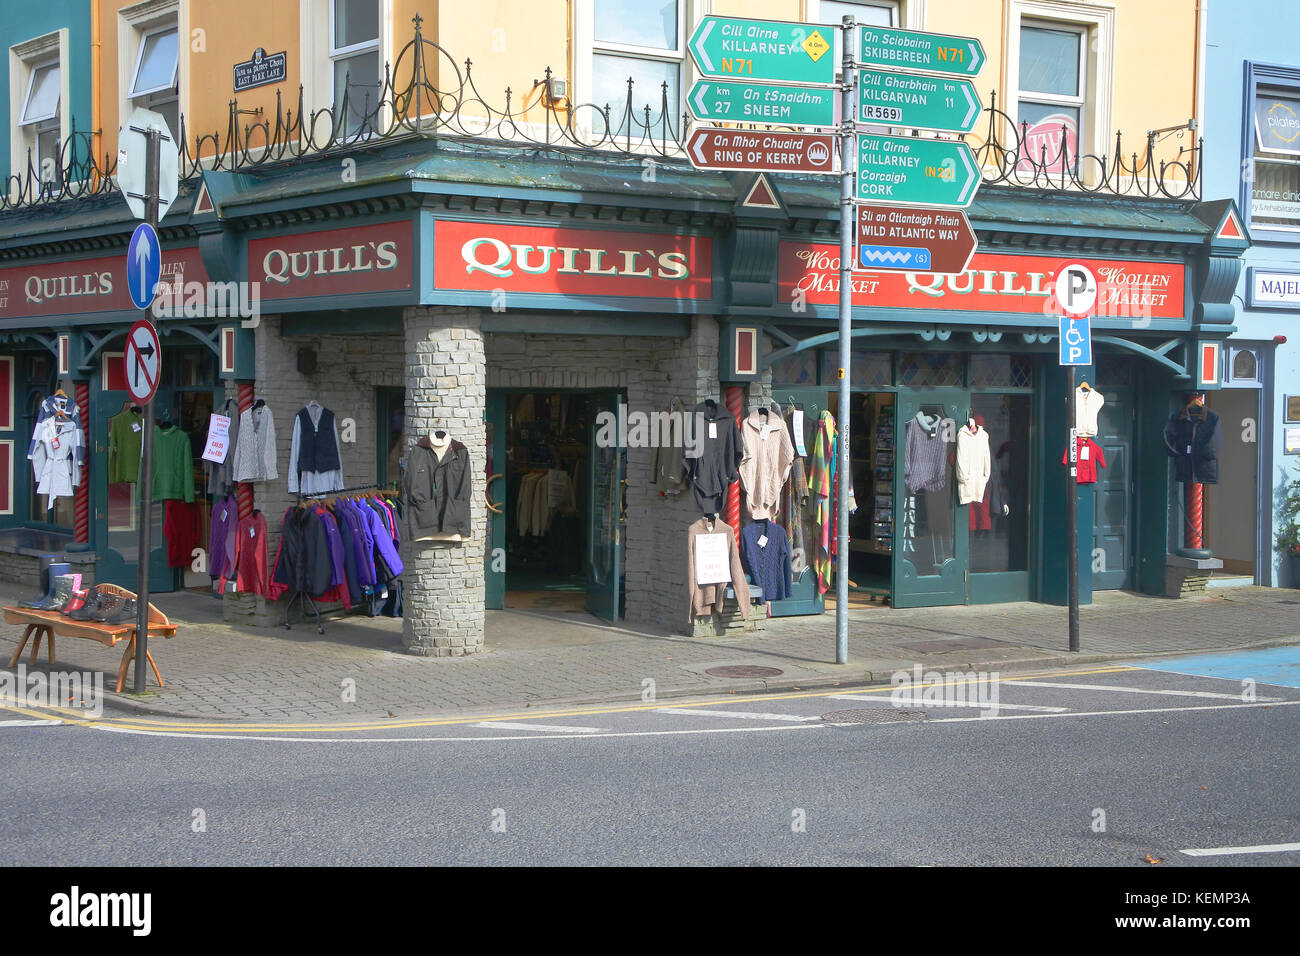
(974, 464)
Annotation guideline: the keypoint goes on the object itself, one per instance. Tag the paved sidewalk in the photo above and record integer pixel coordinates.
(217, 671)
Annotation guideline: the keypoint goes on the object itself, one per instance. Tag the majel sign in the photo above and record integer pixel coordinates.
(492, 257)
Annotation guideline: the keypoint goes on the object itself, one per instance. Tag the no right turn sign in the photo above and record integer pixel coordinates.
(143, 362)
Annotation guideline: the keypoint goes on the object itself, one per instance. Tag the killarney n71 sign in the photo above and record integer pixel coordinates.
(926, 172)
(913, 50)
(763, 50)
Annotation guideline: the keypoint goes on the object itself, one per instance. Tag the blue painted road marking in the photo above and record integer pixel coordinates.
(1272, 665)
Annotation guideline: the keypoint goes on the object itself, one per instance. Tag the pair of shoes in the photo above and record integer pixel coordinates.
(123, 613)
(76, 602)
(62, 592)
(95, 600)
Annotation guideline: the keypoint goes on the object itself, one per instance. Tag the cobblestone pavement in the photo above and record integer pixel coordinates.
(217, 671)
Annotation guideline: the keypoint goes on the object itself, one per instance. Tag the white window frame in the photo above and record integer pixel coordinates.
(689, 13)
(317, 54)
(24, 60)
(1097, 53)
(134, 25)
(145, 37)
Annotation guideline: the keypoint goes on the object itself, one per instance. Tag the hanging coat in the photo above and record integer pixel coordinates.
(255, 451)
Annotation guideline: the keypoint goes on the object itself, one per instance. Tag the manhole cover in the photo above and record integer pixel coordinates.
(744, 670)
(879, 715)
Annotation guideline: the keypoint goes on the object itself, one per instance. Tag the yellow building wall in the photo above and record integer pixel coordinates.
(511, 42)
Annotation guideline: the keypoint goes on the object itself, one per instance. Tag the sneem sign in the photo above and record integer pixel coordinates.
(492, 257)
(991, 283)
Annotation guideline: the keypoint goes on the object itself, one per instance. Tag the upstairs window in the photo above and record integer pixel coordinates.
(641, 40)
(1052, 93)
(354, 57)
(153, 82)
(40, 117)
(1275, 187)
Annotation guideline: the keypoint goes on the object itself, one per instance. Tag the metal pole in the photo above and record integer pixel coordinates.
(1072, 513)
(848, 220)
(145, 485)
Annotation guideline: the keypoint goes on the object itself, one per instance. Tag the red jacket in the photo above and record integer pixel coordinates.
(250, 556)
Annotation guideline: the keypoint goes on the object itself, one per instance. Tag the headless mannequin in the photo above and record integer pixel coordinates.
(441, 444)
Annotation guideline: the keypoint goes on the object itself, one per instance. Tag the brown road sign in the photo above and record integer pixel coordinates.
(711, 147)
(913, 239)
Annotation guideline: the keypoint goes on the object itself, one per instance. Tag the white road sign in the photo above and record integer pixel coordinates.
(142, 362)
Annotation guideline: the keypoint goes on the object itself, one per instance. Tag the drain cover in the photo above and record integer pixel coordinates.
(879, 715)
(744, 670)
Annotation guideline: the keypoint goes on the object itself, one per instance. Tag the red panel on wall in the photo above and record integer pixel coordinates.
(6, 477)
(114, 378)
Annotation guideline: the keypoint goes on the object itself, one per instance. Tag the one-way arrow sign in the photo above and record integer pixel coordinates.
(143, 265)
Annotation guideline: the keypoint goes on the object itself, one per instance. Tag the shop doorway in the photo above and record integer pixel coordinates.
(1112, 538)
(555, 489)
(1232, 512)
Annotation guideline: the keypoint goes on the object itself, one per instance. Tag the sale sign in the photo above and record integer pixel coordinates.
(491, 257)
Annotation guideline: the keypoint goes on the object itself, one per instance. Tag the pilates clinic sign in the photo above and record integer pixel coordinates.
(993, 282)
(494, 257)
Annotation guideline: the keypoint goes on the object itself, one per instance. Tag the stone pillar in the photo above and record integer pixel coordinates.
(446, 387)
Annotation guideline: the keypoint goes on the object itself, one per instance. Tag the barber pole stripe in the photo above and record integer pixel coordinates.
(1194, 532)
(734, 405)
(245, 494)
(81, 501)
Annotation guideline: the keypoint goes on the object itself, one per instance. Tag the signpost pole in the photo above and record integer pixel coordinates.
(1072, 512)
(848, 223)
(144, 510)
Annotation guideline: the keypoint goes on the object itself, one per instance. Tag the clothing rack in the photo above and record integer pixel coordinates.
(328, 496)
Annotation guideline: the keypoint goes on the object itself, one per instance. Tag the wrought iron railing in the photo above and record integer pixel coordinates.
(426, 93)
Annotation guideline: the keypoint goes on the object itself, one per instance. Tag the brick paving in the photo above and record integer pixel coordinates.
(535, 658)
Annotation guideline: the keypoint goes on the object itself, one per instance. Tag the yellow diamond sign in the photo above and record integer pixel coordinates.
(815, 46)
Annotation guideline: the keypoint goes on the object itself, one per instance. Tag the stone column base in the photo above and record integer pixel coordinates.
(1184, 576)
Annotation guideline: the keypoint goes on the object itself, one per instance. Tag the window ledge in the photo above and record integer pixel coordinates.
(29, 541)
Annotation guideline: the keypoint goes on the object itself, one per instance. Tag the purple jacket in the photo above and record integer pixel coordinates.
(221, 538)
(383, 540)
(362, 543)
(336, 548)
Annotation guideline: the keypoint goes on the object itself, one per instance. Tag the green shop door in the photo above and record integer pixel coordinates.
(494, 551)
(931, 553)
(1112, 536)
(607, 464)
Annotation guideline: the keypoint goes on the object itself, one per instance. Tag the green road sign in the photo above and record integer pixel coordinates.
(905, 169)
(913, 50)
(923, 102)
(763, 103)
(764, 50)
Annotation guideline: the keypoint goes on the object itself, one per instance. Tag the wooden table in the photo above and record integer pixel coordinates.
(46, 624)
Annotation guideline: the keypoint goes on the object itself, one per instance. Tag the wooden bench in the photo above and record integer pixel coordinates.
(46, 624)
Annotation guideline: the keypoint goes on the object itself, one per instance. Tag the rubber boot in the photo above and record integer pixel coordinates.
(62, 592)
(46, 561)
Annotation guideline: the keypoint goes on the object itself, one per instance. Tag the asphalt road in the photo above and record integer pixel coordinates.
(1104, 766)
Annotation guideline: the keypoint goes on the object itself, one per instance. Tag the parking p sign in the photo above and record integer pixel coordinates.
(1076, 341)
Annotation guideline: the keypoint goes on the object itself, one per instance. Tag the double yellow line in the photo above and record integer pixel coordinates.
(77, 718)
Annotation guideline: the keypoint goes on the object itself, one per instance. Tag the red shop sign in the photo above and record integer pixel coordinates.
(992, 283)
(333, 262)
(485, 257)
(76, 286)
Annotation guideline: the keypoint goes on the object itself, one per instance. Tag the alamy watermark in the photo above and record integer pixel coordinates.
(937, 689)
(658, 429)
(80, 690)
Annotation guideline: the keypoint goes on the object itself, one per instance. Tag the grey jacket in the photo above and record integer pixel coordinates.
(437, 493)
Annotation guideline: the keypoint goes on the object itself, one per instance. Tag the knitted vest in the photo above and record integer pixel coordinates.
(317, 449)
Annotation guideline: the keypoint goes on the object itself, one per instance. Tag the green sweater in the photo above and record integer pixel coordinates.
(124, 446)
(173, 465)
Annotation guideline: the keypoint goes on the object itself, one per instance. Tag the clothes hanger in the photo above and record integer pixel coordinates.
(260, 403)
(1084, 386)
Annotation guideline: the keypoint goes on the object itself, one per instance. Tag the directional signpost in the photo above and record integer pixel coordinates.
(927, 172)
(777, 73)
(913, 50)
(922, 102)
(712, 148)
(742, 102)
(914, 239)
(143, 265)
(763, 50)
